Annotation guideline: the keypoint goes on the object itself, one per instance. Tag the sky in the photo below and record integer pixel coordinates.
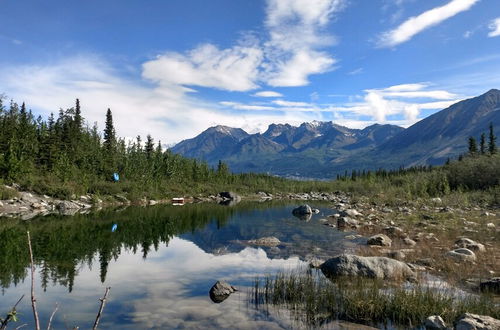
(173, 68)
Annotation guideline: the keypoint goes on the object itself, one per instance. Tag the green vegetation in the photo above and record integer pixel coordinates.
(62, 157)
(314, 299)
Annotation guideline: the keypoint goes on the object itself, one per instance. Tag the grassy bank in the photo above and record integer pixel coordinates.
(315, 300)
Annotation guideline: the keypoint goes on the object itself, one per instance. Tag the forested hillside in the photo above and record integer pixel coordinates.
(62, 156)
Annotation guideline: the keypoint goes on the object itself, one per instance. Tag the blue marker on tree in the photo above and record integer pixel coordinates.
(113, 229)
(116, 177)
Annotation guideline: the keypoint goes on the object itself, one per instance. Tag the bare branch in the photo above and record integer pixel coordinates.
(103, 302)
(10, 315)
(52, 316)
(33, 299)
(21, 326)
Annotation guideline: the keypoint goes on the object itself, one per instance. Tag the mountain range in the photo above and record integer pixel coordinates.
(324, 149)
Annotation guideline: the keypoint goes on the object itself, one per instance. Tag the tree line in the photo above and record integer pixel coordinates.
(64, 154)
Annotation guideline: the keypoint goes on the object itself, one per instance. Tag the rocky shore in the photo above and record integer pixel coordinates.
(27, 205)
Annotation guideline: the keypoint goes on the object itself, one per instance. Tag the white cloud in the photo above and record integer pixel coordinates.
(287, 55)
(417, 24)
(494, 27)
(284, 103)
(165, 112)
(267, 94)
(295, 29)
(232, 69)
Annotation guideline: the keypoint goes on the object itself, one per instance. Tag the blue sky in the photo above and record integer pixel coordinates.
(174, 68)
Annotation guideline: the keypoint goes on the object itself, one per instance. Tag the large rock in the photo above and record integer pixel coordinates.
(434, 322)
(380, 240)
(302, 210)
(470, 321)
(220, 291)
(371, 267)
(492, 285)
(462, 254)
(467, 243)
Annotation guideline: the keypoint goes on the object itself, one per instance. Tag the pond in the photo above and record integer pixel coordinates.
(160, 263)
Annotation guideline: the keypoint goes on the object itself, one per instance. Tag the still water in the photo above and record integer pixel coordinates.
(160, 263)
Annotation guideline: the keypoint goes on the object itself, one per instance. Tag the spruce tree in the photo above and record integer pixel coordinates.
(109, 132)
(472, 146)
(149, 146)
(492, 147)
(482, 144)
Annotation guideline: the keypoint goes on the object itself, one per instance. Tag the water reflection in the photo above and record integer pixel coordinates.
(160, 262)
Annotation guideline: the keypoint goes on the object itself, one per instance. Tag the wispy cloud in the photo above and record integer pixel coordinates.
(417, 24)
(267, 94)
(494, 28)
(356, 71)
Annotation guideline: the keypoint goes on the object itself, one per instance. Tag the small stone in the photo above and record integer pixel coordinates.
(434, 322)
(436, 200)
(380, 240)
(394, 231)
(220, 291)
(490, 225)
(153, 202)
(464, 242)
(409, 241)
(462, 254)
(346, 221)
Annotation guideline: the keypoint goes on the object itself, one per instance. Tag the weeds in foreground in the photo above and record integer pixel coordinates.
(314, 299)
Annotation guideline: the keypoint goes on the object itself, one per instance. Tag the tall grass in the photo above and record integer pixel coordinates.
(313, 299)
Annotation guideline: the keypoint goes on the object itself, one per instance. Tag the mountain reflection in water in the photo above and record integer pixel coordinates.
(160, 262)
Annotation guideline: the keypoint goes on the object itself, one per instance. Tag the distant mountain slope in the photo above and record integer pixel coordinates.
(323, 149)
(445, 133)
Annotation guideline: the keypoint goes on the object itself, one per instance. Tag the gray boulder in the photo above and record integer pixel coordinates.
(461, 254)
(470, 321)
(380, 240)
(434, 322)
(371, 267)
(220, 291)
(467, 243)
(491, 285)
(302, 210)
